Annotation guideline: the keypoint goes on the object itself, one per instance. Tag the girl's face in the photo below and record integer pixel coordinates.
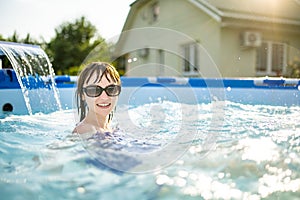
(101, 105)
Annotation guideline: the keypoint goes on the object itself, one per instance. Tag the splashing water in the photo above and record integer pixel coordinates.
(35, 76)
(256, 157)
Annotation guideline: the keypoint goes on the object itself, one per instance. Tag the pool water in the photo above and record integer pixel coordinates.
(253, 154)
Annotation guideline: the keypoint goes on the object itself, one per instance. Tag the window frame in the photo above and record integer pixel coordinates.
(191, 59)
(269, 59)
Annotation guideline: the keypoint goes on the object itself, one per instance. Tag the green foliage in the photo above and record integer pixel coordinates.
(294, 68)
(72, 43)
(16, 38)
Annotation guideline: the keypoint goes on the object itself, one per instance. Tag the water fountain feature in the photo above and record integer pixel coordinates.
(35, 75)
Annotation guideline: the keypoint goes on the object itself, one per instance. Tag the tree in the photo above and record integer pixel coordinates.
(72, 43)
(2, 38)
(15, 38)
(294, 68)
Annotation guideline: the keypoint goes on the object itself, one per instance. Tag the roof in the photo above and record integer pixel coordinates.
(276, 11)
(284, 12)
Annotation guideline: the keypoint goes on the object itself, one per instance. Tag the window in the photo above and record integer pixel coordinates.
(155, 11)
(161, 62)
(190, 62)
(151, 13)
(271, 59)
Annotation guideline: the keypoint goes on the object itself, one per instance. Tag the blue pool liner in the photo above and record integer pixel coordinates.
(8, 79)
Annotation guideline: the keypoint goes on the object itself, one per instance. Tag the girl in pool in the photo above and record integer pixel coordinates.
(98, 88)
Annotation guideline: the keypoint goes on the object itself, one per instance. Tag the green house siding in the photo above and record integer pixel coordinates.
(167, 27)
(236, 60)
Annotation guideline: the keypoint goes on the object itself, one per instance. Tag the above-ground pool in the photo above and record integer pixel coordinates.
(177, 138)
(262, 91)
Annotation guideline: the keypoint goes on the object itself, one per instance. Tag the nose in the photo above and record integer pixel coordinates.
(103, 95)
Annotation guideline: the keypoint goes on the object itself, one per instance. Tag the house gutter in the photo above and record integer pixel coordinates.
(218, 14)
(208, 9)
(260, 18)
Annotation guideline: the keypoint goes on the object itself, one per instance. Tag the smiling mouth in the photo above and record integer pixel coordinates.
(103, 105)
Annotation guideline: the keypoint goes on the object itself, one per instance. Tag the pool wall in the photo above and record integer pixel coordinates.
(141, 90)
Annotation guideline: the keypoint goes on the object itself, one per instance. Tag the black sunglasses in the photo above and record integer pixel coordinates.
(96, 91)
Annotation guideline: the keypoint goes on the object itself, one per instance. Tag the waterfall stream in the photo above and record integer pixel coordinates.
(35, 76)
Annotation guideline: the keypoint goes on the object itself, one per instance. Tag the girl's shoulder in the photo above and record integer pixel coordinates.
(82, 127)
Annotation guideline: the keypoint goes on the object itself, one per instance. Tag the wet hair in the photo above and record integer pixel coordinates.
(100, 69)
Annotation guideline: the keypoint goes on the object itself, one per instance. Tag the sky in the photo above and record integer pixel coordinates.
(39, 18)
